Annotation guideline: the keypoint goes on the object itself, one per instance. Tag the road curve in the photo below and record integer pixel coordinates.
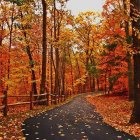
(76, 120)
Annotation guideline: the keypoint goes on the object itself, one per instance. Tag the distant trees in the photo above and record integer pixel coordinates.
(85, 26)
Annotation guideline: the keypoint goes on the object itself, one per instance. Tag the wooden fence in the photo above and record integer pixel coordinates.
(45, 98)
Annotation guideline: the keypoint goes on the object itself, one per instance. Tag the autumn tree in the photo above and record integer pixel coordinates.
(126, 6)
(23, 28)
(120, 36)
(85, 26)
(135, 15)
(59, 17)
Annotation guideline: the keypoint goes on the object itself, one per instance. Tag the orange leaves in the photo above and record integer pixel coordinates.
(115, 16)
(120, 32)
(116, 112)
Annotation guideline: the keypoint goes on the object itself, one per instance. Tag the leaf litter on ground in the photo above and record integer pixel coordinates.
(11, 126)
(116, 111)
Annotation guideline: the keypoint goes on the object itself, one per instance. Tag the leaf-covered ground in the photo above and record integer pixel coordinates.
(116, 111)
(76, 120)
(10, 126)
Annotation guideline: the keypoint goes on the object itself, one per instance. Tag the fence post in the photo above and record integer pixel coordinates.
(47, 99)
(58, 100)
(61, 100)
(31, 100)
(5, 109)
(55, 99)
(51, 98)
(70, 93)
(67, 96)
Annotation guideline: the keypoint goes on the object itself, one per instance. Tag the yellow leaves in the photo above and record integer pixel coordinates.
(66, 35)
(10, 83)
(87, 14)
(81, 80)
(87, 18)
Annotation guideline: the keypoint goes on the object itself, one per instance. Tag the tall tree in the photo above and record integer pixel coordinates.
(31, 60)
(135, 15)
(84, 26)
(57, 83)
(129, 56)
(44, 47)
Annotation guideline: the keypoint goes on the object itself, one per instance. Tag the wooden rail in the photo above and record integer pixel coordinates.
(45, 98)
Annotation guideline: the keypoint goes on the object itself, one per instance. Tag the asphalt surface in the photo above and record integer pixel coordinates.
(76, 120)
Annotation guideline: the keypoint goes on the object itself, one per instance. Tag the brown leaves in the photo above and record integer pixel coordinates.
(116, 111)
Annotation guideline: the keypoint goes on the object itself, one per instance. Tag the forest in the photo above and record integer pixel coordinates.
(46, 49)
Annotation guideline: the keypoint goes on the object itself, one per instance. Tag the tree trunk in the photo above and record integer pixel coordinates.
(129, 60)
(51, 67)
(92, 76)
(130, 78)
(87, 63)
(1, 62)
(10, 26)
(63, 74)
(93, 84)
(1, 34)
(135, 118)
(79, 72)
(31, 62)
(105, 86)
(9, 57)
(135, 9)
(57, 58)
(44, 48)
(109, 82)
(98, 84)
(32, 70)
(57, 72)
(71, 71)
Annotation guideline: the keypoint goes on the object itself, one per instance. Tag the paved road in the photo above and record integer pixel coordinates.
(75, 120)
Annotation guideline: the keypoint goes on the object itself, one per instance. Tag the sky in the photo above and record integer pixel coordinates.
(77, 6)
